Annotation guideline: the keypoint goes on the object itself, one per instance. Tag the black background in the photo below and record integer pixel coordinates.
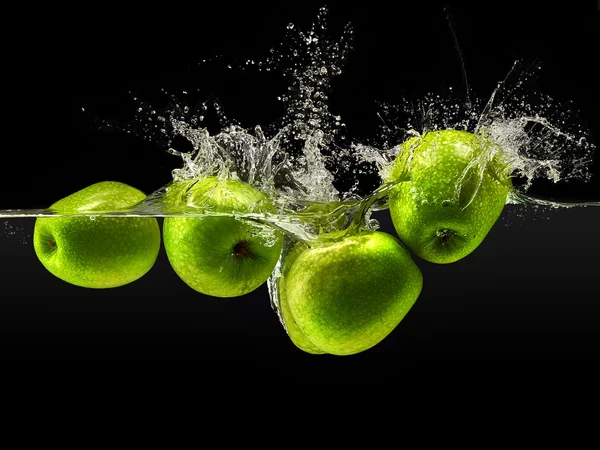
(528, 295)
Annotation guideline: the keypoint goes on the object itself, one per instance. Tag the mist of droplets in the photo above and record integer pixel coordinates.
(13, 233)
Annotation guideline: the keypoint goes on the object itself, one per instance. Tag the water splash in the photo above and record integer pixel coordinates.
(538, 137)
(296, 161)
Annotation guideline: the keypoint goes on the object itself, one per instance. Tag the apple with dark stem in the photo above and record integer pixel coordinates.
(451, 187)
(105, 252)
(222, 253)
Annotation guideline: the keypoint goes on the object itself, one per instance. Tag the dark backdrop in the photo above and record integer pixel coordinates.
(528, 295)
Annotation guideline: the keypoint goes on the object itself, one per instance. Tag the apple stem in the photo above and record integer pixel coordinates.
(241, 249)
(445, 235)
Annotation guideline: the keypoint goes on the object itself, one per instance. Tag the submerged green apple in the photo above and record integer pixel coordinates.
(102, 253)
(221, 256)
(345, 296)
(453, 186)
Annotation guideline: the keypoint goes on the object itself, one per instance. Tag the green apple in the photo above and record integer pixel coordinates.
(102, 253)
(346, 295)
(221, 256)
(451, 189)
